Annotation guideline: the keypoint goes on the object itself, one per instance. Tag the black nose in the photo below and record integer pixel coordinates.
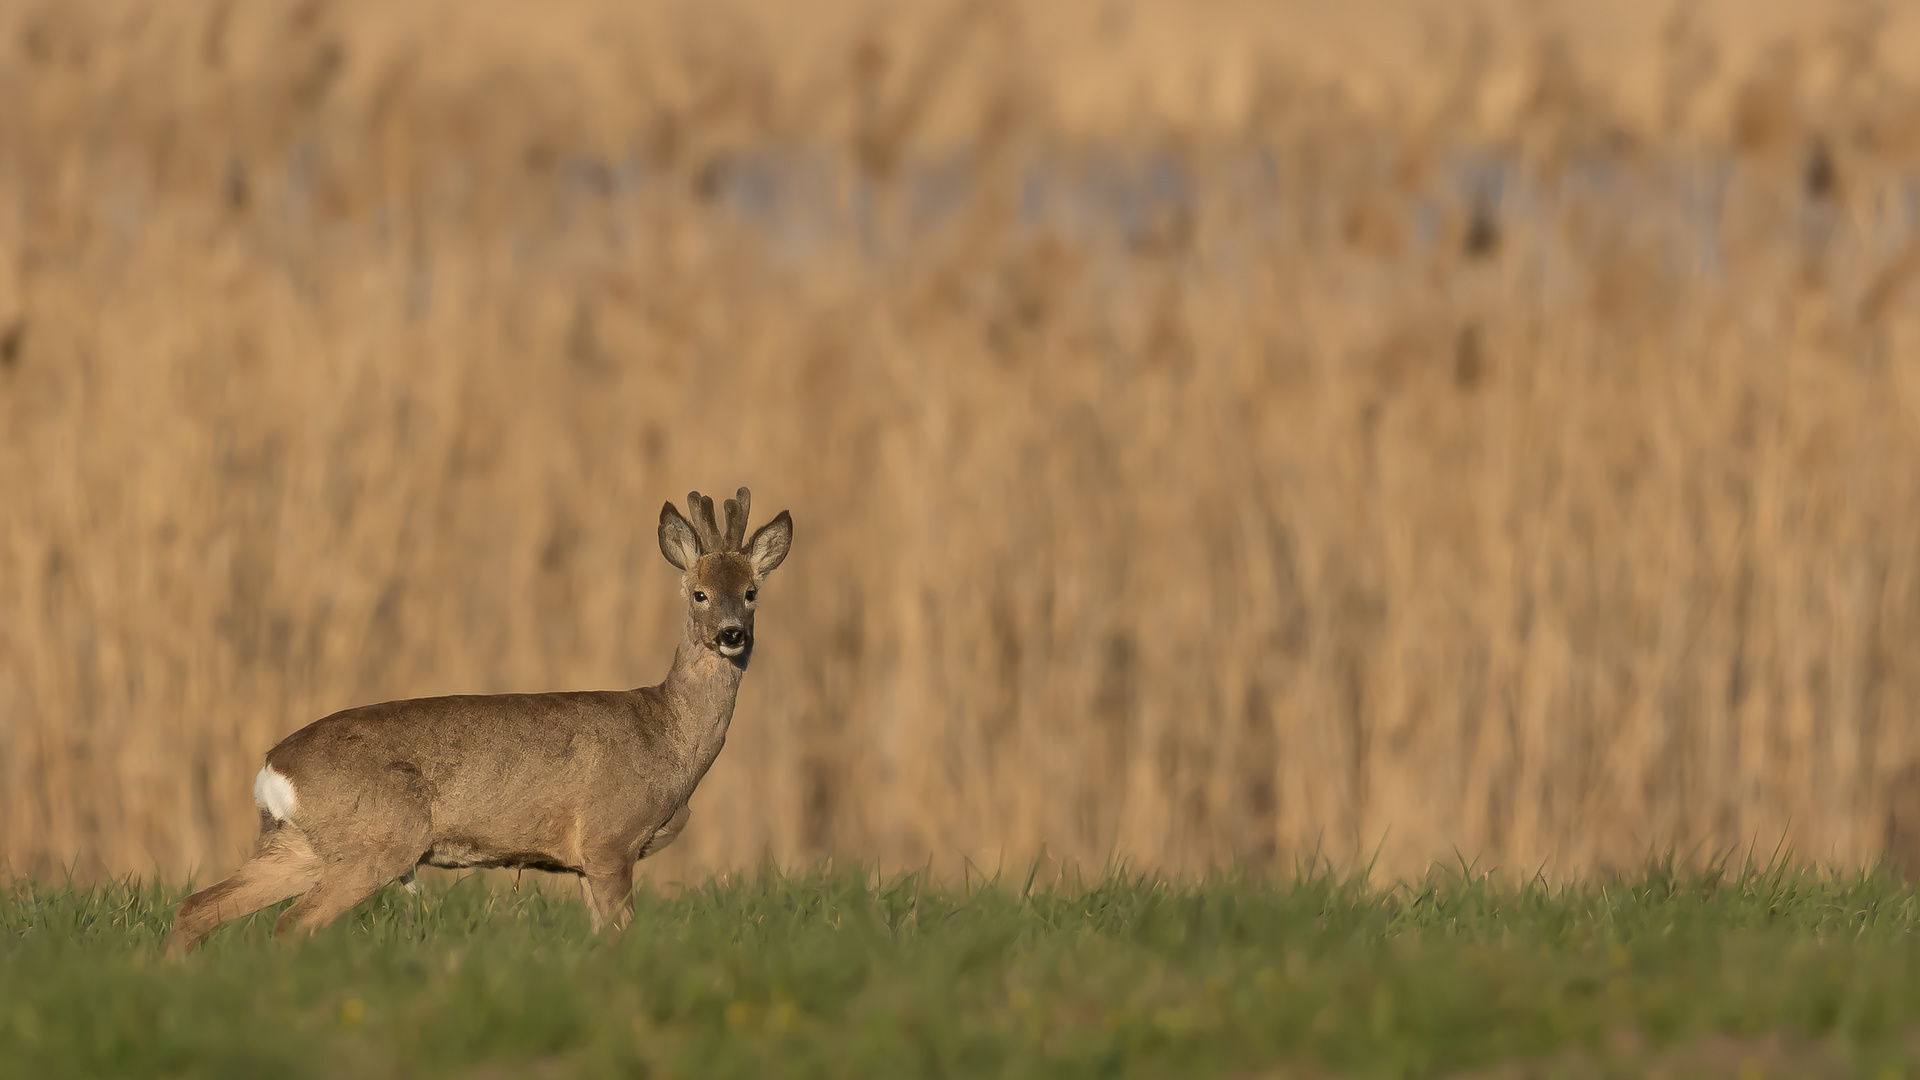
(733, 637)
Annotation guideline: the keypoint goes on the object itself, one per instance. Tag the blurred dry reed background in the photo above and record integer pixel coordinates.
(1203, 447)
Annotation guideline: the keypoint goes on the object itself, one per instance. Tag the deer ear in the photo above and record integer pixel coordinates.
(677, 540)
(770, 543)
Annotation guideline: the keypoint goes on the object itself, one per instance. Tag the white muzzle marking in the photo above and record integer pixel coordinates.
(273, 793)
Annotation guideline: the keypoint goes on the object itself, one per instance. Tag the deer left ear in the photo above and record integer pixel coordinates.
(769, 544)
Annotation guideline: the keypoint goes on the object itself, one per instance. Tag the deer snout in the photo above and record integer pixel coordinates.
(733, 637)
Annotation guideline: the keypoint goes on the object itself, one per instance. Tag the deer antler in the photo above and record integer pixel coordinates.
(737, 519)
(700, 513)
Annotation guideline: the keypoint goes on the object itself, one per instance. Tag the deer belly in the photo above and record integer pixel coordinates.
(455, 854)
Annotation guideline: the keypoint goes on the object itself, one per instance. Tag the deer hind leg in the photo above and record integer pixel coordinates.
(355, 869)
(345, 882)
(284, 865)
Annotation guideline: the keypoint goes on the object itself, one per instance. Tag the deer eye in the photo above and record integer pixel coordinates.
(751, 593)
(699, 597)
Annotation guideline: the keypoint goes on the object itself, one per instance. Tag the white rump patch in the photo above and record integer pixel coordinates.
(273, 793)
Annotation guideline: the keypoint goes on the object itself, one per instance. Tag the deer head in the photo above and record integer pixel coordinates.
(721, 572)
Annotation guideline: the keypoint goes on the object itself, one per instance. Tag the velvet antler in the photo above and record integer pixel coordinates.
(737, 519)
(700, 512)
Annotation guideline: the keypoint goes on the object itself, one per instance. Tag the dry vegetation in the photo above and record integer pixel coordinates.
(1494, 466)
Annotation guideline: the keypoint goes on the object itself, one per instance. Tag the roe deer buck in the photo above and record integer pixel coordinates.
(582, 783)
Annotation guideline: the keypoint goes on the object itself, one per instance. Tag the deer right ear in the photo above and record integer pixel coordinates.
(677, 538)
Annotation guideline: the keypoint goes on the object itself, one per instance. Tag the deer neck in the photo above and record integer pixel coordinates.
(700, 689)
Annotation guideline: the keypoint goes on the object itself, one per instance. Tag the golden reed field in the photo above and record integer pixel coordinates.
(1216, 432)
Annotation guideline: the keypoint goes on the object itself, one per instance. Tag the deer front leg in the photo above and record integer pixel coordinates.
(666, 834)
(605, 884)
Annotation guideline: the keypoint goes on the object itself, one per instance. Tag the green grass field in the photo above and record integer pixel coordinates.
(832, 972)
